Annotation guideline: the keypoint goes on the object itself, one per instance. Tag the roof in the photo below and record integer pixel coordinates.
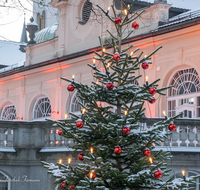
(190, 15)
(12, 54)
(47, 33)
(24, 35)
(173, 11)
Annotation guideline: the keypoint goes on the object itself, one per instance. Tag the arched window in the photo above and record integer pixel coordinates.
(86, 11)
(8, 112)
(74, 104)
(4, 181)
(184, 96)
(42, 109)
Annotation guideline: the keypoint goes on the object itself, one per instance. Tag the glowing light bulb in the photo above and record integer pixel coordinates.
(108, 8)
(164, 113)
(104, 49)
(151, 160)
(145, 56)
(73, 76)
(83, 110)
(94, 60)
(108, 65)
(125, 112)
(60, 161)
(126, 12)
(183, 172)
(69, 160)
(92, 150)
(131, 53)
(66, 116)
(91, 175)
(97, 82)
(147, 78)
(128, 6)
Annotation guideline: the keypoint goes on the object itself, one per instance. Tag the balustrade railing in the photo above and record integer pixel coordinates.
(41, 134)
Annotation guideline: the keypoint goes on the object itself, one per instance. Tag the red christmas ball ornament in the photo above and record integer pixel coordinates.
(109, 86)
(117, 20)
(72, 186)
(145, 65)
(147, 152)
(79, 124)
(152, 101)
(172, 127)
(116, 56)
(64, 185)
(135, 25)
(70, 88)
(80, 156)
(60, 132)
(152, 90)
(158, 174)
(125, 130)
(117, 150)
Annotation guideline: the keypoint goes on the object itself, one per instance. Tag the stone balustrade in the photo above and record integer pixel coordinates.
(41, 134)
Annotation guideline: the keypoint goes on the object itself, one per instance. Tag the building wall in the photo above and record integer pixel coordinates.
(180, 50)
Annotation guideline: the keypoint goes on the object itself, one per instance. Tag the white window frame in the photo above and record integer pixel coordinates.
(9, 180)
(74, 97)
(176, 98)
(4, 109)
(34, 107)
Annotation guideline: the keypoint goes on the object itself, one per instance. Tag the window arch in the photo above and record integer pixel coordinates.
(8, 112)
(184, 96)
(86, 11)
(75, 107)
(4, 181)
(42, 109)
(185, 82)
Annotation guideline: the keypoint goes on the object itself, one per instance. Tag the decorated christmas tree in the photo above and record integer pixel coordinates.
(114, 152)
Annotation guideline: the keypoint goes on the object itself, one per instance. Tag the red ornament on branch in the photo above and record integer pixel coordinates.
(135, 25)
(70, 88)
(152, 101)
(125, 130)
(64, 185)
(60, 132)
(72, 186)
(147, 152)
(117, 150)
(117, 20)
(145, 65)
(158, 174)
(152, 90)
(116, 56)
(79, 124)
(109, 86)
(80, 156)
(172, 127)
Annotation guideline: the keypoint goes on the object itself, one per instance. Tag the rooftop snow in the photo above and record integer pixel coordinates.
(11, 54)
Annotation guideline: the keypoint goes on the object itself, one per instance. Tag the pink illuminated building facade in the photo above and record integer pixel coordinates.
(34, 91)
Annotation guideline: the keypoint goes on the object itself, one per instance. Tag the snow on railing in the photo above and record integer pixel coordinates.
(41, 134)
(181, 18)
(6, 137)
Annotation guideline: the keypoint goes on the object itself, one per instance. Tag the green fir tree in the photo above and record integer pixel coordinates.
(124, 156)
